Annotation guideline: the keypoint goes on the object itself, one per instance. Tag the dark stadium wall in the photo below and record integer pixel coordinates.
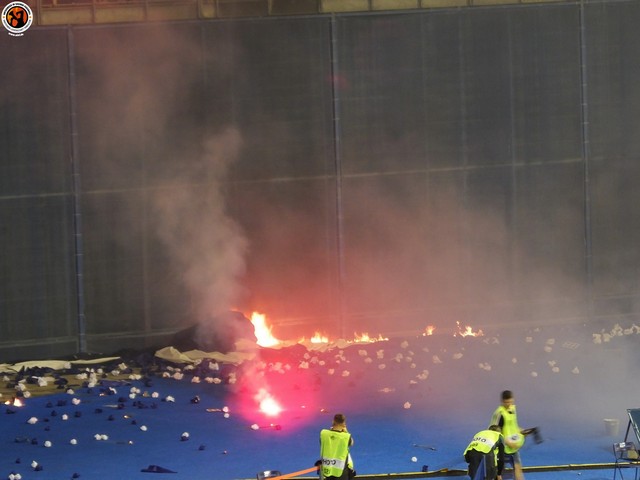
(375, 173)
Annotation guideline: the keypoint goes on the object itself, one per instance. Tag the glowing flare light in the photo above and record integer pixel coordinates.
(268, 405)
(16, 402)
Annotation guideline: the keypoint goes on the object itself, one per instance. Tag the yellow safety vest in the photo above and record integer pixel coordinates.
(510, 428)
(485, 442)
(334, 451)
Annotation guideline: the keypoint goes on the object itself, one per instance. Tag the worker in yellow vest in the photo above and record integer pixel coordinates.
(334, 451)
(505, 416)
(486, 445)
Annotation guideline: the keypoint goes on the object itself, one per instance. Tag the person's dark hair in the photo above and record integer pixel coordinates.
(495, 428)
(339, 419)
(507, 394)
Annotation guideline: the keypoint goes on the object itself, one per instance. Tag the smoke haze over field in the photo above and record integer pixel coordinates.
(207, 246)
(222, 169)
(225, 172)
(158, 148)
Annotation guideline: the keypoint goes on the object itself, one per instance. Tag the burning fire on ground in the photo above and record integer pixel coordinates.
(265, 337)
(459, 332)
(318, 338)
(263, 331)
(467, 332)
(365, 338)
(428, 331)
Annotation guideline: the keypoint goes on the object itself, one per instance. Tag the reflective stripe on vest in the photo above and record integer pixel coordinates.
(484, 441)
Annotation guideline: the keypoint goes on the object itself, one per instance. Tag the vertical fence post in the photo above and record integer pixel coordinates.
(76, 193)
(586, 154)
(337, 145)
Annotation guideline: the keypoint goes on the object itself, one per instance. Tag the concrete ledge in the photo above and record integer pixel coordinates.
(394, 4)
(242, 8)
(479, 3)
(120, 13)
(81, 15)
(207, 10)
(159, 11)
(328, 6)
(293, 7)
(445, 3)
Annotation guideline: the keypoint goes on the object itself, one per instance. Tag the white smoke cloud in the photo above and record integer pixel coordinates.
(205, 244)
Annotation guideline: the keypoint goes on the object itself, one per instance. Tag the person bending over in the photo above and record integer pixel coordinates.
(488, 445)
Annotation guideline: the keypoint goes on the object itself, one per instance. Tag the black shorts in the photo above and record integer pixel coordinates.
(474, 458)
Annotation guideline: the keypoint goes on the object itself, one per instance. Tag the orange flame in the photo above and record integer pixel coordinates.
(467, 332)
(428, 331)
(16, 402)
(263, 331)
(266, 339)
(319, 338)
(365, 338)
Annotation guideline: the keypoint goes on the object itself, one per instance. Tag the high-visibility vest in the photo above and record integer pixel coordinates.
(485, 441)
(334, 452)
(510, 428)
